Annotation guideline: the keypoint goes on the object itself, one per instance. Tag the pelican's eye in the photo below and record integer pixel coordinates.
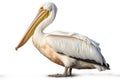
(41, 8)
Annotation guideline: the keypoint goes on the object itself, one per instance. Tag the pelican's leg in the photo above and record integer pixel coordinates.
(70, 72)
(65, 74)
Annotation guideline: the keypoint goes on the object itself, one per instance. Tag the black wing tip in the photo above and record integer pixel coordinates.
(107, 66)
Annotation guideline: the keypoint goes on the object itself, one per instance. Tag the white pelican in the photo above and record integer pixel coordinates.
(70, 50)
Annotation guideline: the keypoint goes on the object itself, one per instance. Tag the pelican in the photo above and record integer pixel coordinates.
(70, 50)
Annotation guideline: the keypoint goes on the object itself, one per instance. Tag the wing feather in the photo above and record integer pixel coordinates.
(75, 45)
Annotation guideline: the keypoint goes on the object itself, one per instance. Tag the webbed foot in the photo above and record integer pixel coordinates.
(67, 73)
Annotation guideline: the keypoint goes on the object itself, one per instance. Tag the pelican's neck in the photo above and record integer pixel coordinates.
(39, 31)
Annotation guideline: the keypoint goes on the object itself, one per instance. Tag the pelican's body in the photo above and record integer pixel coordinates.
(70, 50)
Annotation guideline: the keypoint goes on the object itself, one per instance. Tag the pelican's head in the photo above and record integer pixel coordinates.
(46, 12)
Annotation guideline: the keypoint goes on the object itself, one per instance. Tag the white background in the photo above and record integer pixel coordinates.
(97, 19)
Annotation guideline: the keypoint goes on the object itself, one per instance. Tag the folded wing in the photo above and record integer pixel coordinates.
(76, 46)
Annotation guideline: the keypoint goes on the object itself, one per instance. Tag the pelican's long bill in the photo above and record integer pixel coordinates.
(42, 14)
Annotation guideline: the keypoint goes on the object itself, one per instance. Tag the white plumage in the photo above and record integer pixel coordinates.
(75, 45)
(70, 50)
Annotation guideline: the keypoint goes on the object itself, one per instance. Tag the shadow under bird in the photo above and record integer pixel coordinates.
(70, 50)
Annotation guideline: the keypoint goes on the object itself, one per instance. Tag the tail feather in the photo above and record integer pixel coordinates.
(107, 66)
(102, 67)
